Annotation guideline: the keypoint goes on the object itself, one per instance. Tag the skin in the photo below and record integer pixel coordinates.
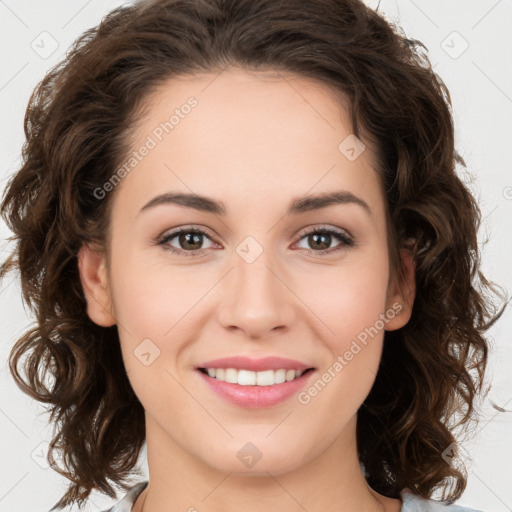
(255, 142)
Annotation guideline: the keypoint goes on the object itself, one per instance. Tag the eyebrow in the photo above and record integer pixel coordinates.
(297, 206)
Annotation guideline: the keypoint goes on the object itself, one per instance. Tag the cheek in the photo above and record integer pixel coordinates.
(349, 297)
(351, 303)
(150, 299)
(157, 307)
(151, 306)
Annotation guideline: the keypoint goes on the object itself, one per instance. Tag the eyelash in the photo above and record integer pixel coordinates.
(346, 240)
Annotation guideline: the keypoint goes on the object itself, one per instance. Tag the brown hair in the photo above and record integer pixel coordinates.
(77, 125)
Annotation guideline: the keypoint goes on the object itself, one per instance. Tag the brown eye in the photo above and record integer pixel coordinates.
(190, 240)
(187, 240)
(320, 240)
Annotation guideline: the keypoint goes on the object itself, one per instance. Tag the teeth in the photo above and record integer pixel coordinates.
(248, 378)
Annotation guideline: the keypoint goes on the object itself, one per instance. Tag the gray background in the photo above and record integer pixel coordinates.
(35, 35)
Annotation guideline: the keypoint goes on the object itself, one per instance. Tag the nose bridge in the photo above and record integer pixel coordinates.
(255, 283)
(258, 300)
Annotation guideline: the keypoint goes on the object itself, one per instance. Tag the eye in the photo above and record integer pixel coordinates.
(188, 238)
(321, 238)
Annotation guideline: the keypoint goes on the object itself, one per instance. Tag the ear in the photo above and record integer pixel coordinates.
(93, 276)
(402, 292)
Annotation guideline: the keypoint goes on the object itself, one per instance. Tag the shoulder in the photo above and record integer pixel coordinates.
(126, 503)
(414, 503)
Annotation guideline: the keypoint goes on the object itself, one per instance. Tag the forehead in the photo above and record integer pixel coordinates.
(248, 134)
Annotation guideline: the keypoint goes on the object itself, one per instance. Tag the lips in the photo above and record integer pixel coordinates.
(255, 396)
(255, 365)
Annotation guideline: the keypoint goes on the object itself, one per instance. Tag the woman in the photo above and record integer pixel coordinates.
(242, 230)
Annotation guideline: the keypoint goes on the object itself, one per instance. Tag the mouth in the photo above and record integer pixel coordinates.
(254, 390)
(243, 377)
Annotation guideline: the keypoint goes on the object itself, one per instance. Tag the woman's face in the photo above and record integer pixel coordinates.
(256, 284)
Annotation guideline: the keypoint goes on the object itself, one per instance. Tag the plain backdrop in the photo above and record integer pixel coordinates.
(469, 43)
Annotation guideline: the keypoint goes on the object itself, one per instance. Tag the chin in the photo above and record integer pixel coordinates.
(249, 459)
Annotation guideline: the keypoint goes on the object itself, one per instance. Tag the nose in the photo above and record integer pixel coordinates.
(256, 297)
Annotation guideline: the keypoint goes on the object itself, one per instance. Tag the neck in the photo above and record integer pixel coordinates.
(333, 480)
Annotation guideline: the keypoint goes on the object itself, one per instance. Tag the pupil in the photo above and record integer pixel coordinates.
(317, 236)
(194, 236)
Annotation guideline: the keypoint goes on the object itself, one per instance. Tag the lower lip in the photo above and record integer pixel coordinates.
(256, 397)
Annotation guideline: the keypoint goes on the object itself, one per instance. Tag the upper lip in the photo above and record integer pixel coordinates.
(255, 365)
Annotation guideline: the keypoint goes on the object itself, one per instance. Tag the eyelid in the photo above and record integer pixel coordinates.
(168, 235)
(346, 239)
(324, 227)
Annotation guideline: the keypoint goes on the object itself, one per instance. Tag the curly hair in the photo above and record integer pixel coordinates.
(77, 128)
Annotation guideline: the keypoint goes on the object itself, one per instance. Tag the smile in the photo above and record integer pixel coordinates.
(267, 392)
(250, 378)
